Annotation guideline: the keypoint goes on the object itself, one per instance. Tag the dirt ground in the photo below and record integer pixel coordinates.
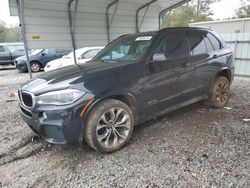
(192, 147)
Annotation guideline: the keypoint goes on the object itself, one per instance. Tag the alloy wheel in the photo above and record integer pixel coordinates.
(35, 67)
(113, 127)
(222, 92)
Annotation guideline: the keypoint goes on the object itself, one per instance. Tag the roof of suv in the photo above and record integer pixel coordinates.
(184, 28)
(167, 29)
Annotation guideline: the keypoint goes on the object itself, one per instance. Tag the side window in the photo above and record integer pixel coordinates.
(2, 49)
(49, 51)
(90, 54)
(173, 46)
(197, 43)
(62, 50)
(215, 42)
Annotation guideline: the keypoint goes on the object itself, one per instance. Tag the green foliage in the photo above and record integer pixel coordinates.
(244, 10)
(196, 11)
(203, 6)
(9, 34)
(184, 15)
(2, 32)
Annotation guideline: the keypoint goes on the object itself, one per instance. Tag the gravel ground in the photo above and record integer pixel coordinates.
(192, 147)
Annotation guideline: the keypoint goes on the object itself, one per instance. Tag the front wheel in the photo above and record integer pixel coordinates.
(220, 93)
(35, 67)
(109, 126)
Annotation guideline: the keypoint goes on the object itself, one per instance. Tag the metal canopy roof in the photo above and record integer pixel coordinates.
(61, 23)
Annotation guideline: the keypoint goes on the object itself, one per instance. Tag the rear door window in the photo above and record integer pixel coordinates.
(196, 43)
(215, 42)
(209, 45)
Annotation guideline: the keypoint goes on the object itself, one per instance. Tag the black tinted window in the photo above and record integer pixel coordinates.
(196, 43)
(173, 46)
(2, 49)
(215, 42)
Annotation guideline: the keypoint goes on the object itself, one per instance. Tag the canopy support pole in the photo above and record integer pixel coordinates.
(161, 14)
(72, 25)
(137, 14)
(108, 23)
(21, 20)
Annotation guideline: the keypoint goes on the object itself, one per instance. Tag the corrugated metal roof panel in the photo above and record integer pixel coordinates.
(47, 24)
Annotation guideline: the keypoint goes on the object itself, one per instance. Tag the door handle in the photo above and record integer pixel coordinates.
(215, 56)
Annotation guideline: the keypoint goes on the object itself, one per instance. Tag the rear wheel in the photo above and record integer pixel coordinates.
(220, 93)
(35, 67)
(109, 126)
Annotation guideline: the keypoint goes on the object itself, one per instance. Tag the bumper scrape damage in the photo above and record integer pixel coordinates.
(56, 124)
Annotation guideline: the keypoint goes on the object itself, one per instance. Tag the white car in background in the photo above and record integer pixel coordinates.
(82, 55)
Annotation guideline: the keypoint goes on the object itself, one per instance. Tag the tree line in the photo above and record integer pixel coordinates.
(9, 34)
(196, 11)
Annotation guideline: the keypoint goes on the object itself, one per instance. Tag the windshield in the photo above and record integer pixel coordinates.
(36, 52)
(127, 48)
(69, 56)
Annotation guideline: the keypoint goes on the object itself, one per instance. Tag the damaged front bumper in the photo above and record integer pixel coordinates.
(56, 124)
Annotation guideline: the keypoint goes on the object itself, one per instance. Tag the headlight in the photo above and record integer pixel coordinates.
(61, 97)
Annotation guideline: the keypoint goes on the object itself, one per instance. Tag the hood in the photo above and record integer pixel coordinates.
(21, 58)
(74, 76)
(61, 61)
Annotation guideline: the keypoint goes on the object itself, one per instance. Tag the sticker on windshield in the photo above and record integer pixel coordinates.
(143, 38)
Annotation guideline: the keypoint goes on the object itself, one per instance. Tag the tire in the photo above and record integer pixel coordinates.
(104, 133)
(35, 66)
(220, 93)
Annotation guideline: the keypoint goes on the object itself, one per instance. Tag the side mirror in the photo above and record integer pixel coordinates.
(43, 54)
(159, 57)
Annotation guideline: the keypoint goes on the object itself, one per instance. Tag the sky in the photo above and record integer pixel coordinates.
(5, 14)
(222, 10)
(225, 9)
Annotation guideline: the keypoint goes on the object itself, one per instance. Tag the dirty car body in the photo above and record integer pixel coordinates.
(158, 78)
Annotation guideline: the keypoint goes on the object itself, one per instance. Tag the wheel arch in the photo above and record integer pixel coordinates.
(225, 72)
(128, 99)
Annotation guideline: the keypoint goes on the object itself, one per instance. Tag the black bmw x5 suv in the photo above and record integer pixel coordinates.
(135, 78)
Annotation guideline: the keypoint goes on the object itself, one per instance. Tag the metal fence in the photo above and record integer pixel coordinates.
(240, 45)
